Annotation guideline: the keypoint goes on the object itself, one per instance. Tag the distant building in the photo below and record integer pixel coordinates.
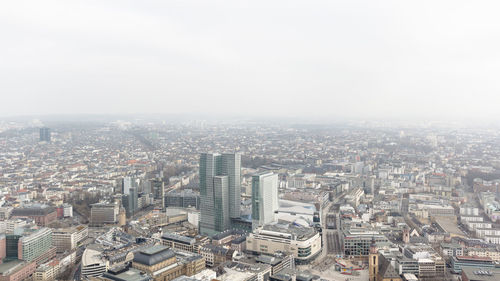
(264, 198)
(104, 213)
(157, 188)
(5, 212)
(8, 226)
(184, 199)
(45, 134)
(41, 214)
(220, 191)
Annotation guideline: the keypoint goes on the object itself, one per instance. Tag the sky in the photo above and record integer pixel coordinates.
(320, 59)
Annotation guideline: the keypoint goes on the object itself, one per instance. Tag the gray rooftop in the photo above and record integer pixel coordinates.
(178, 238)
(153, 255)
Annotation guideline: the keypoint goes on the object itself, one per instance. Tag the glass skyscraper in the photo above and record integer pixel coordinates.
(264, 198)
(220, 191)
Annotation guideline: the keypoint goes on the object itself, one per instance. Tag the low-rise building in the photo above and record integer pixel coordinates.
(164, 264)
(460, 262)
(303, 242)
(452, 249)
(67, 239)
(215, 255)
(104, 213)
(47, 271)
(41, 214)
(492, 253)
(16, 270)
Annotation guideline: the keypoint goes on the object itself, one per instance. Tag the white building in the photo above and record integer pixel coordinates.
(303, 242)
(93, 263)
(264, 198)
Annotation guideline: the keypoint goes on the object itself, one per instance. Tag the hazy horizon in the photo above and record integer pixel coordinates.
(322, 60)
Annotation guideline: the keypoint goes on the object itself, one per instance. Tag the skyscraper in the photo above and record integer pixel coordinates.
(130, 201)
(45, 134)
(126, 185)
(264, 198)
(220, 191)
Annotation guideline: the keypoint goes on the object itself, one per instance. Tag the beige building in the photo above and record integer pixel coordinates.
(492, 253)
(67, 239)
(47, 271)
(303, 242)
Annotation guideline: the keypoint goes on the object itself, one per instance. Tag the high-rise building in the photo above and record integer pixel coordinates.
(126, 185)
(264, 198)
(130, 202)
(157, 187)
(220, 191)
(45, 134)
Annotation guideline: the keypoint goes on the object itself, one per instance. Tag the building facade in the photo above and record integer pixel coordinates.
(264, 198)
(220, 191)
(37, 246)
(104, 213)
(303, 242)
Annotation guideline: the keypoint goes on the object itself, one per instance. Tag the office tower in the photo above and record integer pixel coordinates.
(126, 185)
(11, 245)
(130, 202)
(231, 167)
(220, 191)
(45, 134)
(184, 199)
(158, 190)
(264, 198)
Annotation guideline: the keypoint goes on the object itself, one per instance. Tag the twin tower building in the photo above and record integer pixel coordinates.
(220, 193)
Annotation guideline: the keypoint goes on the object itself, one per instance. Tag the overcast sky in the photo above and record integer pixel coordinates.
(331, 58)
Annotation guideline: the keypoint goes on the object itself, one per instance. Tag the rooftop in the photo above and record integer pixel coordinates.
(130, 274)
(479, 274)
(178, 238)
(6, 267)
(153, 255)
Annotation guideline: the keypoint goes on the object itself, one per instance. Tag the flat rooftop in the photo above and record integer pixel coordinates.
(5, 267)
(154, 249)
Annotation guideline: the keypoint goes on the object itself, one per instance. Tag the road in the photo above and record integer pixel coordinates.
(330, 238)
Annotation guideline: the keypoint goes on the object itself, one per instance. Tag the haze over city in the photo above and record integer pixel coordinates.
(325, 59)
